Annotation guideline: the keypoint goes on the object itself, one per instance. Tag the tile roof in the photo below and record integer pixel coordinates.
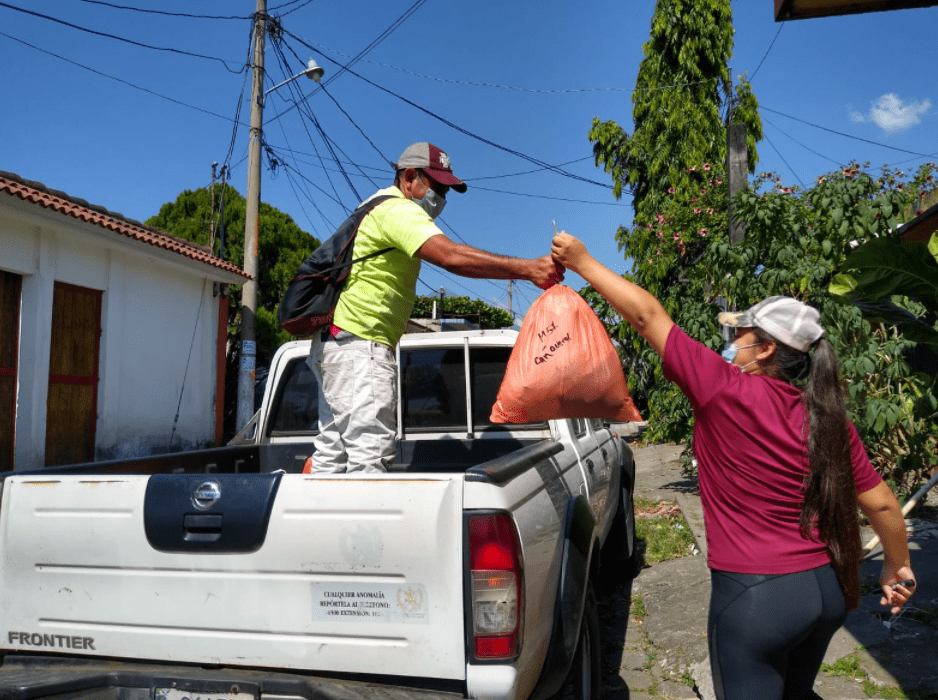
(37, 193)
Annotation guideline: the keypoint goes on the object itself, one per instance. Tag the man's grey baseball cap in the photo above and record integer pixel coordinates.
(434, 162)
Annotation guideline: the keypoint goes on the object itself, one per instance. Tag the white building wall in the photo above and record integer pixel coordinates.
(158, 344)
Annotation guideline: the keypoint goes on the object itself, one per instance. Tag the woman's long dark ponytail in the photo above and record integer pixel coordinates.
(830, 499)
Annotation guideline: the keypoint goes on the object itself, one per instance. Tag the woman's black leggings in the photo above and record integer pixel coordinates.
(768, 633)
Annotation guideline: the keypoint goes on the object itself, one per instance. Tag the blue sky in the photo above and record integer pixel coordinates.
(508, 89)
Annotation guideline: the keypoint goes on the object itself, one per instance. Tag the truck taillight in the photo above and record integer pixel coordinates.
(497, 586)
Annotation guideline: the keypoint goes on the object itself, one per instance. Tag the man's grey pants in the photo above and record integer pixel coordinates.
(357, 404)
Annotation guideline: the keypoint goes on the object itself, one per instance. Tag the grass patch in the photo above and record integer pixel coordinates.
(849, 667)
(638, 608)
(662, 529)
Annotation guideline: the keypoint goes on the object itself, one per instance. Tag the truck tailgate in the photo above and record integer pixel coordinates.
(351, 574)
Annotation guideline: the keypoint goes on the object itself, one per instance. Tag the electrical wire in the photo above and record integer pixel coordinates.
(819, 155)
(374, 43)
(293, 175)
(381, 37)
(454, 281)
(783, 160)
(300, 202)
(119, 38)
(529, 172)
(484, 280)
(286, 4)
(298, 7)
(163, 12)
(840, 133)
(185, 372)
(119, 80)
(295, 153)
(352, 121)
(662, 88)
(780, 28)
(283, 63)
(470, 181)
(458, 128)
(237, 119)
(329, 145)
(294, 184)
(326, 194)
(555, 199)
(360, 131)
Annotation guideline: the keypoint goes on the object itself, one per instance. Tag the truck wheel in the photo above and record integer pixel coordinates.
(585, 678)
(632, 563)
(619, 558)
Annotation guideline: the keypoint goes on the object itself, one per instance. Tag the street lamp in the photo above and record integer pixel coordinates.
(252, 204)
(313, 71)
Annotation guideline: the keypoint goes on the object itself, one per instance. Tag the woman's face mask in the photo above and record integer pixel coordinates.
(431, 202)
(729, 352)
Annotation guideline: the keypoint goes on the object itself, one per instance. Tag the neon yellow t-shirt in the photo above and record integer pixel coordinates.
(379, 292)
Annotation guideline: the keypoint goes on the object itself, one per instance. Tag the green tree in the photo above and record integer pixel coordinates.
(894, 285)
(282, 247)
(472, 310)
(842, 229)
(673, 164)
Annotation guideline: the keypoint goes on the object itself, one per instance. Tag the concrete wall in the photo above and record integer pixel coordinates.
(159, 323)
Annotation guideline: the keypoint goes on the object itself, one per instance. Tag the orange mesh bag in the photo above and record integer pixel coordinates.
(563, 365)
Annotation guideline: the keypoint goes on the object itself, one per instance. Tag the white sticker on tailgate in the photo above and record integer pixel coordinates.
(335, 602)
(177, 694)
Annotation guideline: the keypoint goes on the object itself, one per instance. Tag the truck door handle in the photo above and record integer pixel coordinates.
(605, 454)
(589, 465)
(202, 528)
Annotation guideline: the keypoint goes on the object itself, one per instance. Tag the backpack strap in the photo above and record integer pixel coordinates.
(361, 212)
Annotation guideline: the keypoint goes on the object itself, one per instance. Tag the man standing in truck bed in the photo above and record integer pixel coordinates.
(354, 359)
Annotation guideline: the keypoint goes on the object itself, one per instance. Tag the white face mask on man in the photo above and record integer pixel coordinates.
(431, 202)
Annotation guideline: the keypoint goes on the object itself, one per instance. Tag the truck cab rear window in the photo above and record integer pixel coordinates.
(296, 405)
(433, 387)
(433, 391)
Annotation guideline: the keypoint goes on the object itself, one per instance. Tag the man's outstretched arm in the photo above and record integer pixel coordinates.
(467, 261)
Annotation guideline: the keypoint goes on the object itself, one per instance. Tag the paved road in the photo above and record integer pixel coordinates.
(663, 654)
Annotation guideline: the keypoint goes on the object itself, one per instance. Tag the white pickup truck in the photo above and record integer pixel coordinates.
(466, 571)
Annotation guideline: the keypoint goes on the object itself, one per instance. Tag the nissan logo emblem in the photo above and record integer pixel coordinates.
(206, 495)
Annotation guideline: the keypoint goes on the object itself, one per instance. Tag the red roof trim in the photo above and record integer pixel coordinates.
(37, 193)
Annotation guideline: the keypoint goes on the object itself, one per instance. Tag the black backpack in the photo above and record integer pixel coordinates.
(313, 293)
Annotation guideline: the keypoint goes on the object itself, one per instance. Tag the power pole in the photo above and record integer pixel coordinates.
(737, 162)
(737, 165)
(249, 288)
(211, 221)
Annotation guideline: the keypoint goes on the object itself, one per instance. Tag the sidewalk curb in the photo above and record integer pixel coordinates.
(692, 510)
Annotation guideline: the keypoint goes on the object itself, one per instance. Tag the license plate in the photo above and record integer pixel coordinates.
(178, 694)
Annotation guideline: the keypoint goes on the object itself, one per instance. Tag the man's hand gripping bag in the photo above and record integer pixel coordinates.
(563, 365)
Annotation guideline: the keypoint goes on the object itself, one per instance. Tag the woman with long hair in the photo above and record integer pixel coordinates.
(781, 472)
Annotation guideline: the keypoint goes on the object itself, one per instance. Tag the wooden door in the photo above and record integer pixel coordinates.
(10, 286)
(73, 375)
